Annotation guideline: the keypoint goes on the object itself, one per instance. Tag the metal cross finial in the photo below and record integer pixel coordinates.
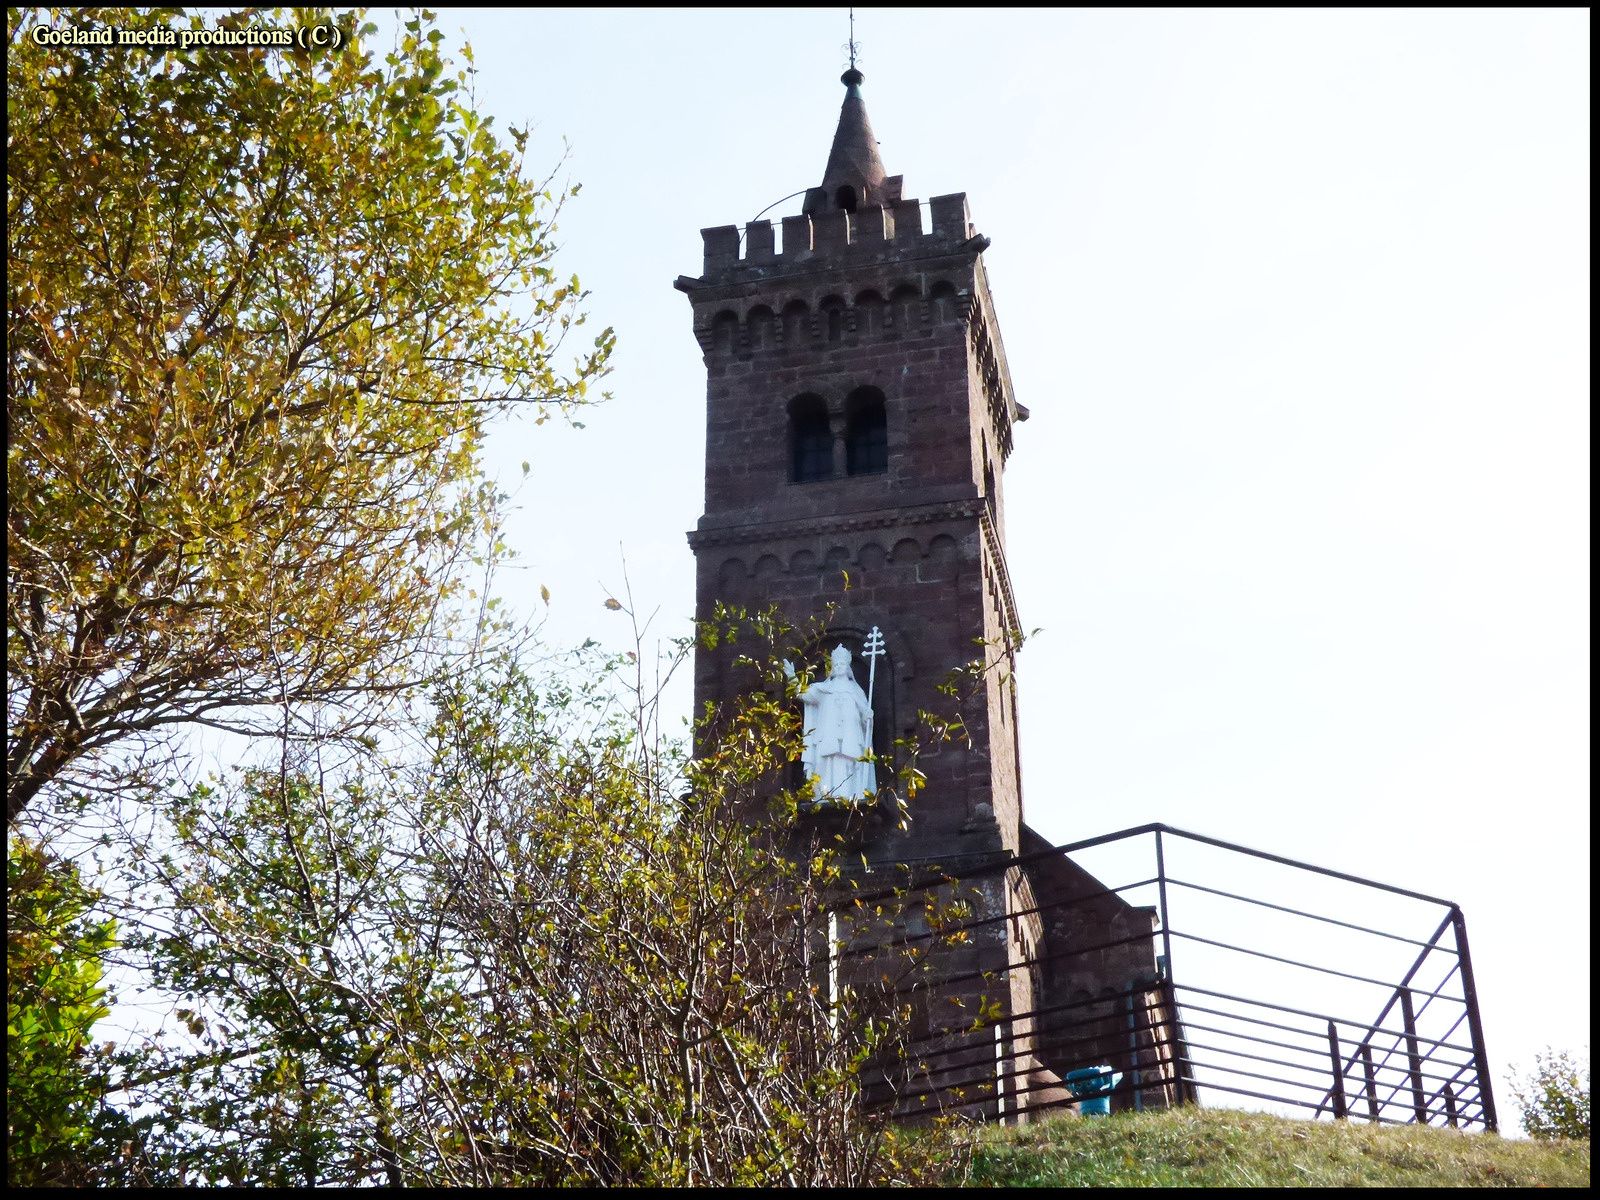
(852, 39)
(872, 650)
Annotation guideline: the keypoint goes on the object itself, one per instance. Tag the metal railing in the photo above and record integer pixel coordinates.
(1244, 979)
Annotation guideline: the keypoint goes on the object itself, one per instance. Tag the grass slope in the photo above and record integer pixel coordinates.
(1193, 1147)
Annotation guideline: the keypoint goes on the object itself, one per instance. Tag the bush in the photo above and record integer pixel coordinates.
(1554, 1097)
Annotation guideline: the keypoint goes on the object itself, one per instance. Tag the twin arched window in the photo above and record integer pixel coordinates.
(866, 436)
(810, 440)
(866, 433)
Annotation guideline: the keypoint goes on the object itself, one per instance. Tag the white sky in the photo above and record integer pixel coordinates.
(1300, 304)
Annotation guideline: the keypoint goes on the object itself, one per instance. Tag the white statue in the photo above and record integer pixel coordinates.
(838, 732)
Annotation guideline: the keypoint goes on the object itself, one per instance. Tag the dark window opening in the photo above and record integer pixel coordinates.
(835, 310)
(845, 198)
(810, 441)
(866, 433)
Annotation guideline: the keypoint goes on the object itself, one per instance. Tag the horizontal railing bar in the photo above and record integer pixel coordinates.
(1395, 1089)
(1460, 1067)
(1209, 1066)
(1383, 983)
(1006, 968)
(1314, 1051)
(1052, 1037)
(1304, 866)
(931, 959)
(1448, 976)
(1222, 1087)
(1320, 1071)
(926, 1063)
(1294, 911)
(845, 908)
(1299, 1012)
(1405, 1070)
(1429, 1055)
(1133, 990)
(987, 1078)
(1399, 1036)
(1070, 1099)
(930, 1066)
(1394, 996)
(1412, 1120)
(1442, 1113)
(1222, 1012)
(938, 876)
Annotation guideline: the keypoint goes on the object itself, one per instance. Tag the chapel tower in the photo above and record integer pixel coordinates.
(859, 415)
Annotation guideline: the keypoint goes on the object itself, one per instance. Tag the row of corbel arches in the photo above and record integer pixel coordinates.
(904, 311)
(870, 555)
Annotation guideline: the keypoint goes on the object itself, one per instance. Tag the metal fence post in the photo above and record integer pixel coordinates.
(1340, 1108)
(1419, 1103)
(1372, 1082)
(1133, 1057)
(1169, 993)
(1474, 1023)
(1161, 896)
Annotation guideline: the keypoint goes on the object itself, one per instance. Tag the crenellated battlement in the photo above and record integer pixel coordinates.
(819, 238)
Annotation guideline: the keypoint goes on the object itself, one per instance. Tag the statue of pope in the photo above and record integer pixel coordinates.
(838, 732)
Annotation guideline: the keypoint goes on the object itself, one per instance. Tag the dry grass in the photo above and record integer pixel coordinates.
(1192, 1147)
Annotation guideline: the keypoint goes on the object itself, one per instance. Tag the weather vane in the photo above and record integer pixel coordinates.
(851, 46)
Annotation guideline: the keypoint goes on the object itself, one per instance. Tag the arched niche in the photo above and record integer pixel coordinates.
(761, 327)
(885, 680)
(796, 324)
(868, 314)
(831, 317)
(905, 305)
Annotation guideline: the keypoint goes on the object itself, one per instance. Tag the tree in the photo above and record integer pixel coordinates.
(550, 949)
(1554, 1096)
(54, 995)
(262, 307)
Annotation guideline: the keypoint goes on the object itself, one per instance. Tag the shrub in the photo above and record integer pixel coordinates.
(1554, 1097)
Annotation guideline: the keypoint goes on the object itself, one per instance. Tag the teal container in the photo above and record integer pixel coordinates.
(1092, 1086)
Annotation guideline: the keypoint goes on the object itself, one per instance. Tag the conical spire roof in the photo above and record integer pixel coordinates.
(854, 177)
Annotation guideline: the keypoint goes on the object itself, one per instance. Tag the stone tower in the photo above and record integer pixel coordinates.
(859, 415)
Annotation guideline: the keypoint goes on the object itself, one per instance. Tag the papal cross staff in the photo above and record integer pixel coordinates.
(873, 650)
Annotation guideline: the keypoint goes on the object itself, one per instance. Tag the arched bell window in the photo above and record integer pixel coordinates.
(866, 435)
(832, 310)
(810, 440)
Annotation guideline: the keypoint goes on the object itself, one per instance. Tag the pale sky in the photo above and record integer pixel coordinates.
(1300, 304)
